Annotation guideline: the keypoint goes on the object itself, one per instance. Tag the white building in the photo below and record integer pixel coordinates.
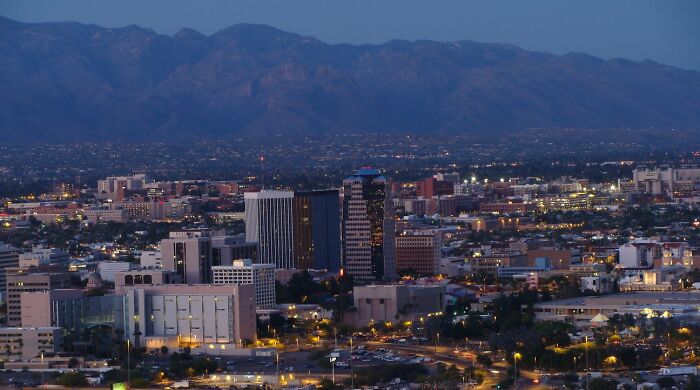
(599, 283)
(111, 186)
(41, 255)
(269, 221)
(262, 276)
(105, 214)
(151, 259)
(639, 253)
(108, 269)
(665, 179)
(195, 316)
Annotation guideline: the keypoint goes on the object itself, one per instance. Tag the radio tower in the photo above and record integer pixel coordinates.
(262, 172)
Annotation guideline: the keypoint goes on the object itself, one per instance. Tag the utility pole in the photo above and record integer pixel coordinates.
(588, 374)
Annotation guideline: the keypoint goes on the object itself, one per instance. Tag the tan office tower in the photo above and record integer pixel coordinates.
(368, 227)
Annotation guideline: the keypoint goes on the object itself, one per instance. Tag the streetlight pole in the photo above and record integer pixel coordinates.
(437, 341)
(352, 371)
(128, 361)
(588, 375)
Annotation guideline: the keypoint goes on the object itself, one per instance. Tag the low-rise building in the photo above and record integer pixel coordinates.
(395, 302)
(262, 276)
(28, 343)
(179, 315)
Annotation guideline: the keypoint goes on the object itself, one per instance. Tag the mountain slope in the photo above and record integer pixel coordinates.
(67, 81)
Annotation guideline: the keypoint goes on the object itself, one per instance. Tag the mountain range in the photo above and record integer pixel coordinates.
(61, 82)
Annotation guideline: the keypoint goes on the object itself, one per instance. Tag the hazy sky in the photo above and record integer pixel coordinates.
(666, 31)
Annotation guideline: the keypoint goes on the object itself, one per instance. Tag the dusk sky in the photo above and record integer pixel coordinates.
(663, 31)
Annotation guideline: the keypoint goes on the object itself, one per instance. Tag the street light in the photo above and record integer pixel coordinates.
(516, 356)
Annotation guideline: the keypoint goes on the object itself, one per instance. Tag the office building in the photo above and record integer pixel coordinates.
(42, 256)
(29, 282)
(665, 179)
(144, 277)
(269, 222)
(9, 257)
(368, 227)
(418, 252)
(262, 276)
(101, 214)
(189, 254)
(226, 249)
(316, 230)
(151, 259)
(27, 343)
(115, 187)
(431, 187)
(395, 302)
(70, 310)
(179, 315)
(108, 269)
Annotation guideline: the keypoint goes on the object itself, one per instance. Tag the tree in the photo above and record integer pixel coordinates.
(602, 384)
(666, 382)
(484, 360)
(72, 379)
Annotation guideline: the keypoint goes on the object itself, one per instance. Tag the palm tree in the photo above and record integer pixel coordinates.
(163, 351)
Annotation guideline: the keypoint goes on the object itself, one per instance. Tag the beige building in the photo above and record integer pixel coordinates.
(144, 278)
(28, 343)
(37, 308)
(190, 315)
(30, 282)
(395, 302)
(494, 261)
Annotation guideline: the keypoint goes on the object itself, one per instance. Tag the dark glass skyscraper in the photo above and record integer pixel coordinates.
(316, 216)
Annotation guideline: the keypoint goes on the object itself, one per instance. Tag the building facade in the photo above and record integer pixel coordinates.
(262, 276)
(419, 252)
(268, 221)
(9, 257)
(28, 343)
(31, 282)
(190, 315)
(317, 230)
(368, 227)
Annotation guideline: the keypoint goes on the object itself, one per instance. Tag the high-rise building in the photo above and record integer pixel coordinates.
(268, 221)
(9, 257)
(368, 227)
(316, 216)
(192, 253)
(189, 254)
(226, 249)
(262, 276)
(419, 252)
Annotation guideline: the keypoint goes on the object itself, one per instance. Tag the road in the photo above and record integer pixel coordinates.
(445, 355)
